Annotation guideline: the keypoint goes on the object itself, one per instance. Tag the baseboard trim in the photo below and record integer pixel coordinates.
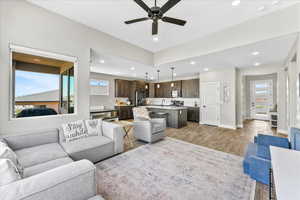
(226, 126)
(282, 131)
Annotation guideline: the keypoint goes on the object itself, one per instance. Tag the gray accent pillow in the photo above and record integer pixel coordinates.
(94, 127)
(74, 131)
(7, 153)
(8, 172)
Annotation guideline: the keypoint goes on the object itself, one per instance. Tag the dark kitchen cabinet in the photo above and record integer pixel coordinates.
(193, 114)
(123, 88)
(124, 112)
(190, 88)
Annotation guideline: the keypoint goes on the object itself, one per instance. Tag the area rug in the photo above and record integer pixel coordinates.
(174, 170)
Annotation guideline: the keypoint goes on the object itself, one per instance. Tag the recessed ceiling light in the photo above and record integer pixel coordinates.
(174, 74)
(102, 61)
(257, 64)
(151, 77)
(192, 62)
(132, 68)
(236, 3)
(255, 53)
(118, 72)
(275, 2)
(155, 39)
(205, 69)
(36, 60)
(261, 8)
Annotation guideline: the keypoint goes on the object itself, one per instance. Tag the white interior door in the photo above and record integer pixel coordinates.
(210, 103)
(261, 99)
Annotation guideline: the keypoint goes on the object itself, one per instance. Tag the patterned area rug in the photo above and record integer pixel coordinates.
(174, 170)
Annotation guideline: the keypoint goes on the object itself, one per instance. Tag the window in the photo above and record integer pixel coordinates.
(99, 87)
(41, 85)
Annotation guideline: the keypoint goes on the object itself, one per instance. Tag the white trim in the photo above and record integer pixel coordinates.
(282, 131)
(240, 126)
(227, 126)
(47, 54)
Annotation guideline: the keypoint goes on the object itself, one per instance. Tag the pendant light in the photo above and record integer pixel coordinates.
(172, 83)
(158, 85)
(146, 85)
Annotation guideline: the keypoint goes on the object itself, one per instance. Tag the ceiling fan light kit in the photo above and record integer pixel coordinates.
(156, 13)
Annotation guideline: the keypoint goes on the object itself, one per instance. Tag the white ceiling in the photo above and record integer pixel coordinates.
(203, 17)
(272, 52)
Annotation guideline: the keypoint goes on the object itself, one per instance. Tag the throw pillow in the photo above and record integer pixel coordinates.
(94, 127)
(8, 172)
(141, 113)
(74, 131)
(7, 153)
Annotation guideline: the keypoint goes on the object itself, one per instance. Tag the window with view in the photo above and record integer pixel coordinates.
(41, 86)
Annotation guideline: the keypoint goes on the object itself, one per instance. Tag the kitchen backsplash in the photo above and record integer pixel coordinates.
(167, 101)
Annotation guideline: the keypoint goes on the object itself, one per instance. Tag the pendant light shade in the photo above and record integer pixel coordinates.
(158, 85)
(172, 83)
(146, 85)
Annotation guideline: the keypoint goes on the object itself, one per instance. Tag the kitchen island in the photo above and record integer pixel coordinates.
(176, 116)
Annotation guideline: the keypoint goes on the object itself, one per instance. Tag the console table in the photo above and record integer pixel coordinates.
(286, 173)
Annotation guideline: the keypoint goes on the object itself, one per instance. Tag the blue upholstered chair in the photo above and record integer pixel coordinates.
(257, 161)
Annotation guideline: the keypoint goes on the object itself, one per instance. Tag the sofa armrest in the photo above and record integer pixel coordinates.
(160, 121)
(116, 133)
(268, 140)
(259, 169)
(73, 181)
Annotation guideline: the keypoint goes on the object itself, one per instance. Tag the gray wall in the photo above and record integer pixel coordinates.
(248, 79)
(24, 24)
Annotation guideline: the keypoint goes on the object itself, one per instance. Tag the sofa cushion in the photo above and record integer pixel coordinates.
(74, 130)
(94, 127)
(98, 197)
(8, 172)
(40, 154)
(94, 148)
(7, 153)
(39, 168)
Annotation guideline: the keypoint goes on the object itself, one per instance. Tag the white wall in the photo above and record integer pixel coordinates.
(226, 77)
(25, 24)
(272, 25)
(241, 91)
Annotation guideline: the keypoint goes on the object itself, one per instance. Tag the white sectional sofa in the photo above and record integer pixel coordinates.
(55, 170)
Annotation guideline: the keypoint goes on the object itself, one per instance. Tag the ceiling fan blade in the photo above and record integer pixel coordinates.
(170, 4)
(174, 21)
(154, 27)
(143, 5)
(136, 20)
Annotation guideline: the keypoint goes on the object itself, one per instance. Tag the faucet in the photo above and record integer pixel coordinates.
(163, 101)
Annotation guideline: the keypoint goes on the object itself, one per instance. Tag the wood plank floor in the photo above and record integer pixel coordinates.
(226, 140)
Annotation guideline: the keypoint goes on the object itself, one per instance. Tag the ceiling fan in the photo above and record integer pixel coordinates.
(156, 13)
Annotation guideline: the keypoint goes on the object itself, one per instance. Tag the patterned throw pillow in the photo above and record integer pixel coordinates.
(141, 112)
(74, 131)
(94, 127)
(8, 172)
(7, 153)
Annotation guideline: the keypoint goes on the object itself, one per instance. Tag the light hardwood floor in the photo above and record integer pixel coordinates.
(226, 140)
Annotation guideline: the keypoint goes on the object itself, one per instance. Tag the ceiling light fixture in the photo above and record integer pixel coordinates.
(192, 62)
(155, 39)
(132, 68)
(102, 61)
(205, 69)
(175, 74)
(261, 8)
(158, 85)
(275, 2)
(151, 78)
(257, 64)
(236, 3)
(255, 53)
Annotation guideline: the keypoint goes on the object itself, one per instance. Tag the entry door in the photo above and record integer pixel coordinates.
(261, 99)
(210, 103)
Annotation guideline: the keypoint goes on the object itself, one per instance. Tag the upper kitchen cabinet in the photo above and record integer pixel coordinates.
(190, 88)
(123, 88)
